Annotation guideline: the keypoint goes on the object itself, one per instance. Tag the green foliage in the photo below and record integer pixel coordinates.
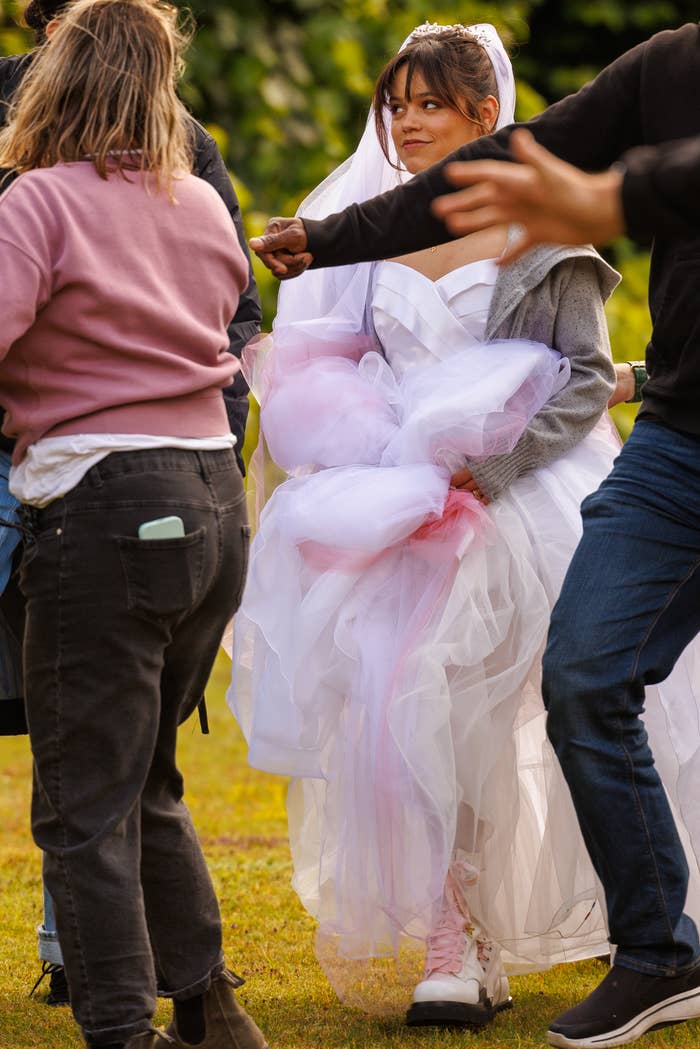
(284, 86)
(12, 39)
(291, 82)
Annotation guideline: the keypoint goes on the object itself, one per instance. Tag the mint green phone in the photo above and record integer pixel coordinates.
(162, 528)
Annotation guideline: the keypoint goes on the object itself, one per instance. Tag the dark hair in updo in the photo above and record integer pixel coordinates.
(39, 13)
(455, 67)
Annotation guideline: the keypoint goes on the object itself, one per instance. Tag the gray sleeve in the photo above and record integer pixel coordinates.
(580, 333)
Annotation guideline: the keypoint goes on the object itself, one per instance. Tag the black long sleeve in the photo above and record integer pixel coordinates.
(661, 189)
(209, 165)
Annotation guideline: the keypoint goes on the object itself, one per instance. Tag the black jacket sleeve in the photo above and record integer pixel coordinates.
(661, 190)
(209, 165)
(590, 129)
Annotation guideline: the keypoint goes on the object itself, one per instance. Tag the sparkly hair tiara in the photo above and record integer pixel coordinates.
(435, 29)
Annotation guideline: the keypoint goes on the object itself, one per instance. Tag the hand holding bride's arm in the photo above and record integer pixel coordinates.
(282, 247)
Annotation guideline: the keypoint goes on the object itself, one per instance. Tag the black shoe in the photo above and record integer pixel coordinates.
(624, 1006)
(58, 985)
(58, 988)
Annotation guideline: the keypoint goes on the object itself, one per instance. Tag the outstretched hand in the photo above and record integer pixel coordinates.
(282, 248)
(551, 200)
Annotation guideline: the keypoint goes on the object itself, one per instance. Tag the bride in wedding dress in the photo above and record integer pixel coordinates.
(441, 420)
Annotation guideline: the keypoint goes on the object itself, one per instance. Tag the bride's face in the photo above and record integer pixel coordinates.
(423, 128)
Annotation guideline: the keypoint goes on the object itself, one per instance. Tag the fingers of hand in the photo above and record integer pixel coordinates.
(279, 235)
(270, 261)
(494, 202)
(464, 482)
(478, 196)
(271, 242)
(296, 264)
(461, 222)
(527, 150)
(274, 264)
(493, 178)
(282, 264)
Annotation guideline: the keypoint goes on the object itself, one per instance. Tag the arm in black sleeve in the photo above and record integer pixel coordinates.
(209, 165)
(661, 190)
(590, 129)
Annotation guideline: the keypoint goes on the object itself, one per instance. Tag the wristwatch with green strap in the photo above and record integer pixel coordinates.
(639, 370)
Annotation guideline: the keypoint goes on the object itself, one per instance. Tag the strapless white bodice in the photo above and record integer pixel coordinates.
(418, 320)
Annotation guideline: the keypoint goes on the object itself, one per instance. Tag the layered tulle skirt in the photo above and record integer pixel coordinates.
(387, 659)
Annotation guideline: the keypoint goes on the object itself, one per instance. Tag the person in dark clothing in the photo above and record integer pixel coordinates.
(208, 165)
(630, 603)
(103, 152)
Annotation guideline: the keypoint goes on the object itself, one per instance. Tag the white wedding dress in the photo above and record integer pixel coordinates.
(387, 651)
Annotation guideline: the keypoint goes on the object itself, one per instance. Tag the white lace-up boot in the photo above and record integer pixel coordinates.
(463, 981)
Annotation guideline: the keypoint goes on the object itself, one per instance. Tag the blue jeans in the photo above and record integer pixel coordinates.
(629, 606)
(9, 537)
(47, 933)
(10, 647)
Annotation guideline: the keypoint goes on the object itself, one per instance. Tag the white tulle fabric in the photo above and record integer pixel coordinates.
(388, 646)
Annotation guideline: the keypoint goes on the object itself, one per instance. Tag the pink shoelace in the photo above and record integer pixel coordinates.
(446, 941)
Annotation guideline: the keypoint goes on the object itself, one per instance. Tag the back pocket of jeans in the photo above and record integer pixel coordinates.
(163, 576)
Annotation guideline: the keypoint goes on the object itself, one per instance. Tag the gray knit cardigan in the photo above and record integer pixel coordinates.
(554, 295)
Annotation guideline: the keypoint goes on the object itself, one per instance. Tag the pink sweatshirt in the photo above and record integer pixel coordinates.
(114, 304)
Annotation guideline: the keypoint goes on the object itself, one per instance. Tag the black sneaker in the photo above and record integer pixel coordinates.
(58, 985)
(624, 1006)
(58, 988)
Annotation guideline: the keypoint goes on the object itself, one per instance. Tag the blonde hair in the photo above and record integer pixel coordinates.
(103, 88)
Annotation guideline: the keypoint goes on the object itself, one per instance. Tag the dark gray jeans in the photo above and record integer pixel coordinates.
(121, 636)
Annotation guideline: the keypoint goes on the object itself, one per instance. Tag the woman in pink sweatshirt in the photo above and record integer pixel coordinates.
(119, 273)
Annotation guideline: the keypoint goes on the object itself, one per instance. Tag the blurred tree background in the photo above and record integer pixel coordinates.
(284, 86)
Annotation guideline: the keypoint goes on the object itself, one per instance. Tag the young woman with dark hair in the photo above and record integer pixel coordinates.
(418, 548)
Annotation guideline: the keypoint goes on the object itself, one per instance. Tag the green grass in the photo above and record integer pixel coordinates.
(268, 937)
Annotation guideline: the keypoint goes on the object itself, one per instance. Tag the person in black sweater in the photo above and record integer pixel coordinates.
(630, 603)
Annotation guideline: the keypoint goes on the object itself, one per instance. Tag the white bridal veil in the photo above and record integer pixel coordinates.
(331, 304)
